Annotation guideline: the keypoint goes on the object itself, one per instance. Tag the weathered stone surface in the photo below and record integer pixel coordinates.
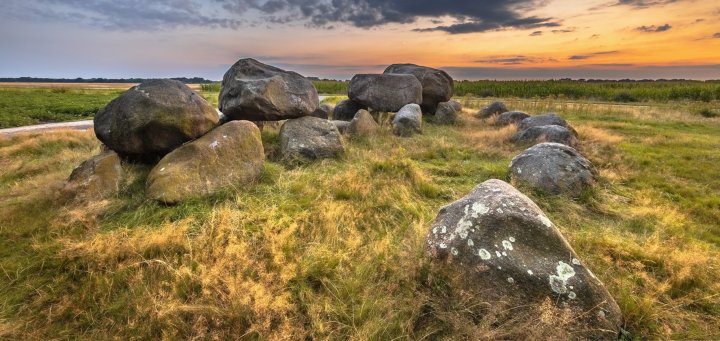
(255, 91)
(544, 120)
(342, 126)
(346, 110)
(408, 121)
(445, 114)
(363, 124)
(310, 138)
(96, 178)
(323, 111)
(231, 155)
(553, 168)
(494, 108)
(437, 85)
(550, 133)
(510, 117)
(456, 105)
(498, 243)
(153, 118)
(385, 92)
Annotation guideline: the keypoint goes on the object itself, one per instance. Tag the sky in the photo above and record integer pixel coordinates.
(480, 39)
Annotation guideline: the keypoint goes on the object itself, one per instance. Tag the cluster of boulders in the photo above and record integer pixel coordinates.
(552, 164)
(197, 150)
(408, 90)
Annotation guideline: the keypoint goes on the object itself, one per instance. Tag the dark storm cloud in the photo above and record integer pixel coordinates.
(591, 55)
(460, 16)
(653, 28)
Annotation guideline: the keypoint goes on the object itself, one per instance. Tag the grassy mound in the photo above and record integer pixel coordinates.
(334, 249)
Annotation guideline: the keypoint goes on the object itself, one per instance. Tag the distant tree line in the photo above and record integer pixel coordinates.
(193, 80)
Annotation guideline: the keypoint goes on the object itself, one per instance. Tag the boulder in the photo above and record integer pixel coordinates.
(96, 178)
(445, 113)
(255, 91)
(544, 120)
(229, 156)
(494, 108)
(363, 124)
(323, 111)
(151, 119)
(497, 244)
(408, 121)
(456, 105)
(553, 168)
(342, 126)
(510, 117)
(437, 85)
(346, 110)
(549, 133)
(310, 138)
(385, 92)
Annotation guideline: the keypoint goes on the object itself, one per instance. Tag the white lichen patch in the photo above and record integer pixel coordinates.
(479, 209)
(443, 246)
(507, 245)
(576, 261)
(558, 282)
(498, 254)
(511, 239)
(504, 253)
(162, 169)
(484, 254)
(214, 144)
(499, 210)
(454, 251)
(530, 272)
(571, 295)
(510, 280)
(544, 220)
(471, 243)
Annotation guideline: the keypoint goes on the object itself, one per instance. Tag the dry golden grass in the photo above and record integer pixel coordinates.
(334, 249)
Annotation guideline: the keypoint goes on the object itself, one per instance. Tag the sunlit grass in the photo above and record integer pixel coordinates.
(334, 249)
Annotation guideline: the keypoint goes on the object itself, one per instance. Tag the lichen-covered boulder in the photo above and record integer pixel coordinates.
(445, 113)
(151, 119)
(553, 168)
(494, 108)
(510, 117)
(437, 85)
(549, 133)
(255, 91)
(456, 105)
(96, 178)
(497, 243)
(310, 138)
(230, 156)
(544, 120)
(385, 92)
(363, 124)
(408, 121)
(345, 110)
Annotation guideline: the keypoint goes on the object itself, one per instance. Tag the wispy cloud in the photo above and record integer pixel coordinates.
(513, 60)
(716, 35)
(536, 33)
(654, 28)
(591, 55)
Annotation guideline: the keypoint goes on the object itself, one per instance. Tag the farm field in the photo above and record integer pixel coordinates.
(334, 249)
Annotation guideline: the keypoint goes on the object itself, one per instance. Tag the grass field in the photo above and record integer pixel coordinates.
(334, 249)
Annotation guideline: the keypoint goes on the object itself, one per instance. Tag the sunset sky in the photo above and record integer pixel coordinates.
(482, 39)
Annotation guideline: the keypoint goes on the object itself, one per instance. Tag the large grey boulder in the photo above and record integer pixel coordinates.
(408, 121)
(96, 178)
(437, 85)
(510, 117)
(342, 126)
(151, 119)
(553, 168)
(445, 113)
(230, 156)
(456, 105)
(497, 244)
(345, 110)
(544, 120)
(494, 108)
(323, 111)
(385, 92)
(549, 133)
(310, 138)
(255, 91)
(363, 124)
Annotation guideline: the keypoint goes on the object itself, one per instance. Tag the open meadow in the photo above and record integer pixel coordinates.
(335, 249)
